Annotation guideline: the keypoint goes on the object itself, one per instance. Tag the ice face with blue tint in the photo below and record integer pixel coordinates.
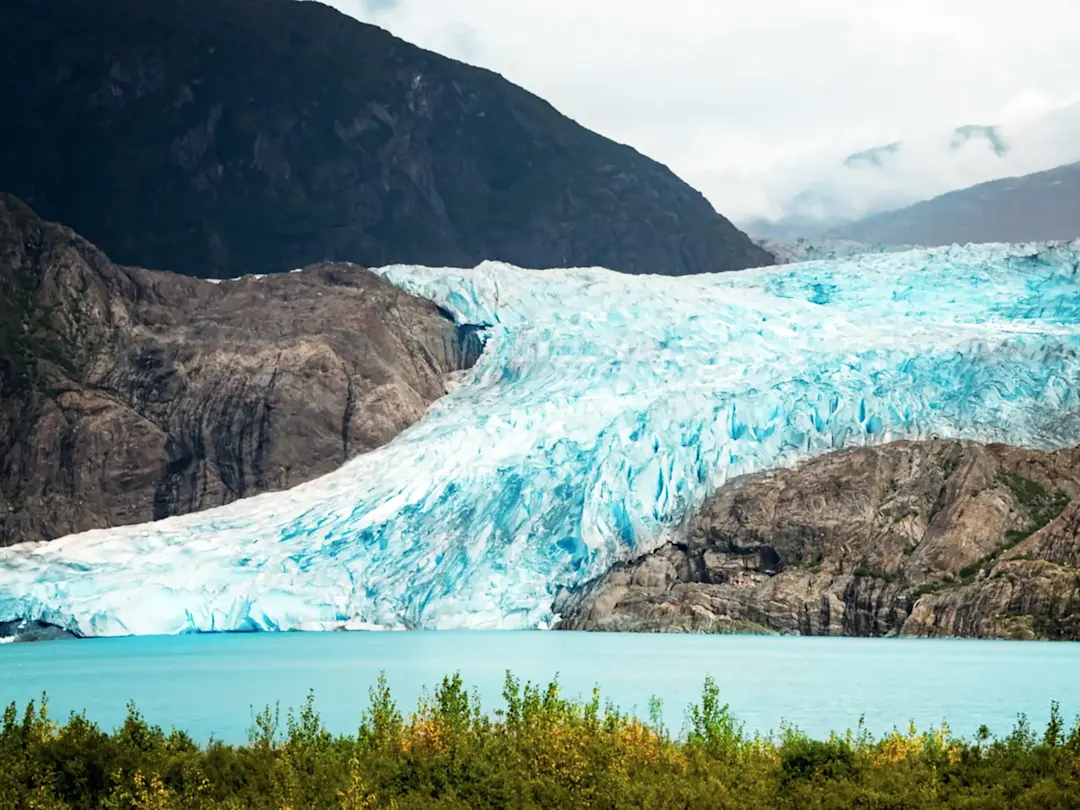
(604, 410)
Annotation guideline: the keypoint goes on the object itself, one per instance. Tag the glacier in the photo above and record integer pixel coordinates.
(603, 410)
(806, 250)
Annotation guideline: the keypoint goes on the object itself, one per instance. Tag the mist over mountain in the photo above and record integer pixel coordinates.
(1036, 207)
(825, 194)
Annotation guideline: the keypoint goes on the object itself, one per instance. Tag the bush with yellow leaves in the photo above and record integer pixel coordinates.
(539, 750)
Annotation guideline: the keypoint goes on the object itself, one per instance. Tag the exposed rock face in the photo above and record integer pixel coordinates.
(128, 395)
(32, 631)
(1033, 592)
(912, 538)
(222, 137)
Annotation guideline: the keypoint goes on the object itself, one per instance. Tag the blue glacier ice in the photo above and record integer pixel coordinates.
(604, 409)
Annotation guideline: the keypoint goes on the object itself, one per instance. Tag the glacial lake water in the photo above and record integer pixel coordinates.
(208, 684)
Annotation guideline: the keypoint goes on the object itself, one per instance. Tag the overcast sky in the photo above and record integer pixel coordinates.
(730, 93)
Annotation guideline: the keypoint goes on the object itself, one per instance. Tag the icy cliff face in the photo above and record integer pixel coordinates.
(605, 408)
(807, 250)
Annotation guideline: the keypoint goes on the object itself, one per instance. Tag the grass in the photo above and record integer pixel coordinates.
(863, 571)
(538, 750)
(27, 335)
(1042, 505)
(933, 587)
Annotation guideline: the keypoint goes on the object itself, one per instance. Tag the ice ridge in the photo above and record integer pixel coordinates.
(604, 409)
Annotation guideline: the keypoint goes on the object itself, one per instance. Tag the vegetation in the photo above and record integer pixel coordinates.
(27, 333)
(539, 750)
(872, 573)
(1042, 505)
(19, 349)
(933, 586)
(25, 339)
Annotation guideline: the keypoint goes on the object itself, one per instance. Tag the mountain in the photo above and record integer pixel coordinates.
(129, 395)
(823, 193)
(932, 538)
(1037, 207)
(222, 137)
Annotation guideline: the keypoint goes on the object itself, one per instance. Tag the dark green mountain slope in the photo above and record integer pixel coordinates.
(222, 137)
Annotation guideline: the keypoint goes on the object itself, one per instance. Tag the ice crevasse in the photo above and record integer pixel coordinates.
(604, 409)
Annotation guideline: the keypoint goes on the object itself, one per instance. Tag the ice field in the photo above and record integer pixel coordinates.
(604, 409)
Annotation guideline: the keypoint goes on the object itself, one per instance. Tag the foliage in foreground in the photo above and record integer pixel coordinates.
(540, 750)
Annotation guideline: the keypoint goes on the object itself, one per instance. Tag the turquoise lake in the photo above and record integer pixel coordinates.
(208, 684)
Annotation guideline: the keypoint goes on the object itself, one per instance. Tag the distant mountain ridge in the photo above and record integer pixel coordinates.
(223, 137)
(1037, 207)
(826, 194)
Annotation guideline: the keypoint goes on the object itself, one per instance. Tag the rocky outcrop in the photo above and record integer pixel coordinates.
(1032, 592)
(222, 137)
(128, 395)
(935, 538)
(32, 631)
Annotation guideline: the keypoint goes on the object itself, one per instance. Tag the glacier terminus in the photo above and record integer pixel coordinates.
(605, 408)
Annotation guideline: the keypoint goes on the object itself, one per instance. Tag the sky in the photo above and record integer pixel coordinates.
(752, 101)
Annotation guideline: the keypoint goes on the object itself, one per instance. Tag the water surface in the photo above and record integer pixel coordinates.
(208, 684)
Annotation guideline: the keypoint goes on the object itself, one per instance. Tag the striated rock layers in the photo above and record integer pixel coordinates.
(129, 395)
(934, 538)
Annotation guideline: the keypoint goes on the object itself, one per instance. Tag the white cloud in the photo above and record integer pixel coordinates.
(748, 99)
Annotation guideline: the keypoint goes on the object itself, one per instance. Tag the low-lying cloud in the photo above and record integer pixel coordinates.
(753, 102)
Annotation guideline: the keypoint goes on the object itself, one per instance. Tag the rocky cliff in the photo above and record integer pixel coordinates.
(935, 538)
(222, 137)
(128, 395)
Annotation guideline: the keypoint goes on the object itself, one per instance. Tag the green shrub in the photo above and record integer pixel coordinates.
(872, 573)
(539, 750)
(803, 758)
